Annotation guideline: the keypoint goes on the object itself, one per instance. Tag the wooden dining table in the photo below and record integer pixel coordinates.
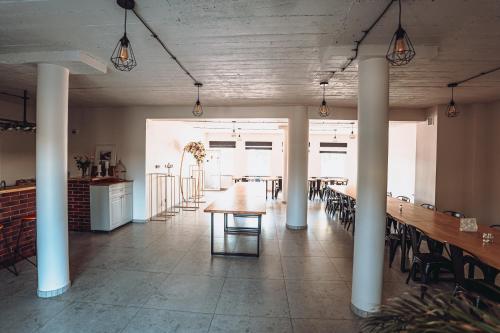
(274, 183)
(441, 227)
(242, 200)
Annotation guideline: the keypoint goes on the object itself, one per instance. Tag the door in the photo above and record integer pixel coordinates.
(127, 208)
(212, 170)
(116, 211)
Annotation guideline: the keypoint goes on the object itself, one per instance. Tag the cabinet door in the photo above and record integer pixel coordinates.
(127, 208)
(116, 211)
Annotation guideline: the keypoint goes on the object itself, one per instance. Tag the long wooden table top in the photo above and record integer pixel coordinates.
(442, 227)
(241, 198)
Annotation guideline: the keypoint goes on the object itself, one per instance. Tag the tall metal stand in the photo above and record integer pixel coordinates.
(163, 187)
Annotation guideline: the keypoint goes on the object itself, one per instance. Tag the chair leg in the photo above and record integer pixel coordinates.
(410, 273)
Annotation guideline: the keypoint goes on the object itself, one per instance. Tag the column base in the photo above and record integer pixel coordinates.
(53, 293)
(296, 227)
(361, 313)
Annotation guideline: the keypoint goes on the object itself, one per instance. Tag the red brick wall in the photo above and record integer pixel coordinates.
(13, 207)
(79, 205)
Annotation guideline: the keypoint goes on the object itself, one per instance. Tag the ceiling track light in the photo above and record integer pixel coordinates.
(401, 50)
(451, 110)
(198, 108)
(123, 57)
(323, 109)
(352, 135)
(18, 125)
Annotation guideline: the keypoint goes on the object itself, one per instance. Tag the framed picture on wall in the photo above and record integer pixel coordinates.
(105, 152)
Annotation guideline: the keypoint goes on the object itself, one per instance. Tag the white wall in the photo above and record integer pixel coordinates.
(402, 157)
(426, 159)
(17, 149)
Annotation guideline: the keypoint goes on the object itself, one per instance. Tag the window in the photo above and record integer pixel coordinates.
(259, 145)
(333, 163)
(222, 144)
(259, 162)
(333, 158)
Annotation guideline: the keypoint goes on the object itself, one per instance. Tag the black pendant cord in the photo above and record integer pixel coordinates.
(125, 24)
(324, 85)
(357, 43)
(399, 22)
(457, 83)
(155, 36)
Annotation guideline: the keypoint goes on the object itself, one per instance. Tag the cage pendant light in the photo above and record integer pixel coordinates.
(323, 109)
(452, 111)
(123, 57)
(401, 50)
(198, 109)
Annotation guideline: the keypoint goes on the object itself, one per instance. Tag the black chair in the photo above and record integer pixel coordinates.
(458, 215)
(403, 198)
(393, 236)
(429, 264)
(428, 206)
(481, 288)
(489, 273)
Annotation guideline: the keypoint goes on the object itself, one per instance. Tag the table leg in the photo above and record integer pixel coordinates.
(404, 258)
(258, 236)
(212, 233)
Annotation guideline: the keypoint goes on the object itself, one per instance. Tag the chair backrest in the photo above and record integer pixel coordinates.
(428, 206)
(389, 194)
(403, 198)
(458, 215)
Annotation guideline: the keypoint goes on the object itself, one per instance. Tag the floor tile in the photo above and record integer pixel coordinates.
(27, 314)
(322, 300)
(253, 297)
(86, 317)
(187, 293)
(127, 288)
(325, 326)
(309, 268)
(230, 324)
(264, 267)
(164, 321)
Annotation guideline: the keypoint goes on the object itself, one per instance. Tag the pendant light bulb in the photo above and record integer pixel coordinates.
(401, 50)
(198, 109)
(452, 111)
(352, 135)
(323, 109)
(123, 58)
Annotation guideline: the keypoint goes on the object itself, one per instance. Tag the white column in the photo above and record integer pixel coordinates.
(298, 144)
(51, 180)
(284, 191)
(373, 105)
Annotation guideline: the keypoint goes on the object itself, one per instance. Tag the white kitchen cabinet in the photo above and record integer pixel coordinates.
(110, 205)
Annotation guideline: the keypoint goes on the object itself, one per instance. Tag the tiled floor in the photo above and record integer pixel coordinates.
(160, 277)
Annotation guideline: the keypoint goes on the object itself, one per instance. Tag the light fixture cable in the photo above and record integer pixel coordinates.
(164, 46)
(452, 111)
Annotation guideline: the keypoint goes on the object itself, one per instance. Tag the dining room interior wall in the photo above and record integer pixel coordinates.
(468, 161)
(426, 159)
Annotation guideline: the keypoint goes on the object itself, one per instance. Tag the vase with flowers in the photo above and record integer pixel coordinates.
(197, 149)
(83, 163)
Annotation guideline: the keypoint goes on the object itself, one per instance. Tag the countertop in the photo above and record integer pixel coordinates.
(17, 188)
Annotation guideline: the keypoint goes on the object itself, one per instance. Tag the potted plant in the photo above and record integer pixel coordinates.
(83, 163)
(439, 312)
